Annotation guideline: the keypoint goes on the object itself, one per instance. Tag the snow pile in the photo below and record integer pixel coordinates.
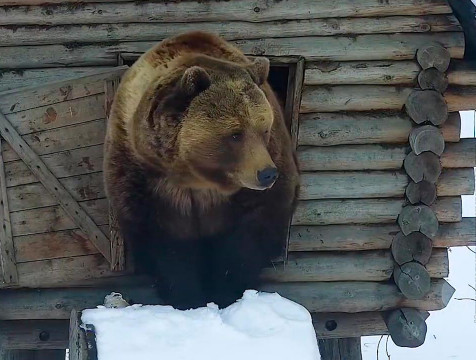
(259, 326)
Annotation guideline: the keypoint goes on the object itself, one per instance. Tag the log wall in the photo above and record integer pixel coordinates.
(360, 67)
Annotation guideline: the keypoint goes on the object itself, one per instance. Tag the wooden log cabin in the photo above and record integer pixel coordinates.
(371, 91)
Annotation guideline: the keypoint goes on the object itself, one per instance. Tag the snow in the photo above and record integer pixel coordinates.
(258, 326)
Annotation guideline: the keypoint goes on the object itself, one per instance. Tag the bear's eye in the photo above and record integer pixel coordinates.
(237, 136)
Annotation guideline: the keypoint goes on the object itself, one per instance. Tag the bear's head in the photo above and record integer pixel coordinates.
(212, 126)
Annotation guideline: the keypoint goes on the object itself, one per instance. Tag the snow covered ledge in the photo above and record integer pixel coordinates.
(259, 326)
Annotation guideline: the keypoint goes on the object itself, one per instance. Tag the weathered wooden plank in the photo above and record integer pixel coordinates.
(54, 245)
(34, 334)
(462, 72)
(31, 196)
(38, 304)
(461, 154)
(62, 164)
(343, 325)
(57, 354)
(367, 211)
(376, 97)
(54, 218)
(77, 343)
(378, 157)
(375, 265)
(356, 296)
(340, 349)
(338, 48)
(245, 10)
(8, 270)
(369, 237)
(18, 78)
(51, 183)
(52, 93)
(231, 30)
(61, 139)
(65, 113)
(63, 272)
(378, 184)
(327, 129)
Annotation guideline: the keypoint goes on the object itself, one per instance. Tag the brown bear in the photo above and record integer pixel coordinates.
(199, 169)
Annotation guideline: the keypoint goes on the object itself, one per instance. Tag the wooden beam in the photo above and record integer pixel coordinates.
(244, 10)
(367, 211)
(77, 342)
(64, 198)
(230, 30)
(379, 157)
(374, 265)
(34, 334)
(378, 184)
(370, 237)
(328, 129)
(338, 48)
(8, 273)
(340, 349)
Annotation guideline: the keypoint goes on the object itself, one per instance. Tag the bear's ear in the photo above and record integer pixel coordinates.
(195, 80)
(259, 70)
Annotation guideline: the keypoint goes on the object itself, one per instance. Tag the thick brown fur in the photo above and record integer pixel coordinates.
(191, 124)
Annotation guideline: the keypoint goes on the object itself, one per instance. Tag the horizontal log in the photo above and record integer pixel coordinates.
(339, 48)
(54, 218)
(231, 30)
(32, 97)
(367, 211)
(371, 237)
(356, 296)
(38, 304)
(31, 196)
(379, 157)
(62, 164)
(378, 184)
(375, 265)
(343, 325)
(18, 78)
(241, 10)
(61, 139)
(462, 72)
(63, 272)
(65, 113)
(375, 97)
(34, 334)
(54, 245)
(461, 154)
(327, 129)
(348, 297)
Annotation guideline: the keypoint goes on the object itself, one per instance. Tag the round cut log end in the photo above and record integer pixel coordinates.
(433, 79)
(427, 138)
(407, 327)
(434, 55)
(418, 218)
(426, 106)
(422, 192)
(414, 247)
(425, 166)
(412, 279)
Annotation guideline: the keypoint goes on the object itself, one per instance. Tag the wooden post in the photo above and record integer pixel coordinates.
(77, 341)
(340, 349)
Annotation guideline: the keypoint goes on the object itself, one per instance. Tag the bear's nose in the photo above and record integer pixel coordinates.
(267, 177)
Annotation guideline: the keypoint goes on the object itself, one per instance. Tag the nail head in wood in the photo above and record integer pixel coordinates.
(426, 105)
(412, 280)
(425, 166)
(407, 327)
(434, 55)
(418, 218)
(421, 192)
(412, 247)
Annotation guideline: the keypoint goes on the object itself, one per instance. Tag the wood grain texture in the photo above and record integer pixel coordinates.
(8, 269)
(426, 138)
(338, 48)
(407, 327)
(247, 10)
(461, 154)
(230, 30)
(433, 79)
(346, 266)
(433, 56)
(412, 280)
(425, 166)
(367, 211)
(340, 349)
(462, 72)
(34, 334)
(328, 129)
(414, 247)
(359, 296)
(426, 106)
(371, 237)
(378, 184)
(51, 183)
(419, 218)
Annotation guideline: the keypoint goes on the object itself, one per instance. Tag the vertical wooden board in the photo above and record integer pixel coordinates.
(77, 341)
(8, 268)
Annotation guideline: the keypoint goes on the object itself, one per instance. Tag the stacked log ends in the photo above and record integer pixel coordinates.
(406, 326)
